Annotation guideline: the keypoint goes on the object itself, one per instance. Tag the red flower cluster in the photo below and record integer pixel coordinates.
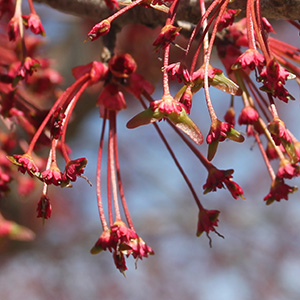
(167, 35)
(273, 78)
(216, 180)
(279, 190)
(122, 241)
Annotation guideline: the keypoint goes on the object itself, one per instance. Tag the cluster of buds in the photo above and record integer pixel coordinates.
(272, 63)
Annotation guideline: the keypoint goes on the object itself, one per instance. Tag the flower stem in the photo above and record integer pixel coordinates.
(122, 195)
(98, 179)
(68, 114)
(59, 102)
(266, 159)
(111, 162)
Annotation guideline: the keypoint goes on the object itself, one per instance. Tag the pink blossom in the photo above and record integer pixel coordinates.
(287, 169)
(122, 66)
(216, 180)
(279, 190)
(229, 116)
(44, 207)
(111, 98)
(178, 71)
(33, 22)
(52, 176)
(73, 169)
(273, 78)
(105, 241)
(25, 164)
(13, 29)
(251, 59)
(167, 35)
(227, 18)
(249, 115)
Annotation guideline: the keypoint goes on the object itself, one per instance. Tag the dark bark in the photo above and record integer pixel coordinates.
(189, 10)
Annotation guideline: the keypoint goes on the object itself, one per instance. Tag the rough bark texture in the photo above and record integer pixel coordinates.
(189, 10)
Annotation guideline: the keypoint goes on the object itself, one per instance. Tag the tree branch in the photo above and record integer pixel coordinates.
(189, 11)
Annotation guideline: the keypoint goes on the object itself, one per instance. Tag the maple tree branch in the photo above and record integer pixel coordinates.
(189, 11)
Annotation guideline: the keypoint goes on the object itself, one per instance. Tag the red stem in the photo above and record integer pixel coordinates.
(98, 179)
(69, 111)
(250, 28)
(111, 154)
(122, 195)
(123, 10)
(32, 10)
(60, 101)
(266, 159)
(207, 55)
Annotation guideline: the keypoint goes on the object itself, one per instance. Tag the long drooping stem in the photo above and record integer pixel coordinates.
(68, 94)
(111, 162)
(98, 177)
(68, 114)
(122, 195)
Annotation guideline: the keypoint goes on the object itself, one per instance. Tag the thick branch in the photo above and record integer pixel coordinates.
(189, 11)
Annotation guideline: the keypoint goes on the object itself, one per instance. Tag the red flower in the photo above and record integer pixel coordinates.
(33, 22)
(282, 138)
(25, 164)
(279, 132)
(121, 233)
(227, 18)
(273, 78)
(251, 59)
(216, 180)
(105, 241)
(119, 261)
(13, 29)
(167, 105)
(73, 169)
(271, 152)
(122, 66)
(99, 29)
(207, 221)
(111, 98)
(56, 123)
(230, 116)
(212, 72)
(279, 190)
(122, 241)
(249, 115)
(28, 67)
(288, 170)
(186, 99)
(44, 208)
(218, 132)
(97, 71)
(167, 35)
(139, 248)
(52, 176)
(178, 71)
